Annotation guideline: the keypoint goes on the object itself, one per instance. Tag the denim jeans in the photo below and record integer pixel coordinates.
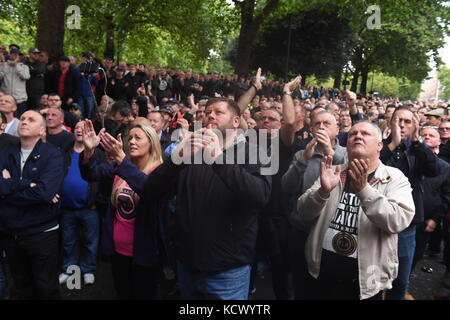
(87, 105)
(88, 221)
(406, 249)
(2, 277)
(232, 284)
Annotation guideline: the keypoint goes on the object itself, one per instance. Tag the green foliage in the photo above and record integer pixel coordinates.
(444, 78)
(11, 33)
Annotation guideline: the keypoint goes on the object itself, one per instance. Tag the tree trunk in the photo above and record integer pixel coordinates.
(109, 45)
(364, 77)
(354, 86)
(337, 78)
(250, 25)
(51, 27)
(243, 54)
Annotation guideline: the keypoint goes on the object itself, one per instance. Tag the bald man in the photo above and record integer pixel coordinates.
(32, 174)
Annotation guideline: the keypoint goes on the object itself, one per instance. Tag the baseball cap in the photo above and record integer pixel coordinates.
(34, 50)
(14, 51)
(436, 112)
(173, 100)
(64, 58)
(86, 54)
(166, 110)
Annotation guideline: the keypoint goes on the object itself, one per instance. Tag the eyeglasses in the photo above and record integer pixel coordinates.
(444, 129)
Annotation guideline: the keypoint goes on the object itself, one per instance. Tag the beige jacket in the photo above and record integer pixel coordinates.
(386, 209)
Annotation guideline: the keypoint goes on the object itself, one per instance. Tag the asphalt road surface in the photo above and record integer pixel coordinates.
(422, 286)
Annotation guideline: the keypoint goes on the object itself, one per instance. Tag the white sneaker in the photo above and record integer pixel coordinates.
(89, 279)
(63, 278)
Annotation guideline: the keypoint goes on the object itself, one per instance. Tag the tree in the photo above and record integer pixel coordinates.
(409, 32)
(50, 30)
(320, 43)
(250, 24)
(444, 78)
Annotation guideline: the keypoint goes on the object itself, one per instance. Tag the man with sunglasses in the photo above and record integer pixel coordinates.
(444, 132)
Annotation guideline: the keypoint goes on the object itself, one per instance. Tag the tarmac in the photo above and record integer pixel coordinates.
(423, 284)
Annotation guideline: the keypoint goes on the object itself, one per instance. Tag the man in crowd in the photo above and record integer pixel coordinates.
(78, 215)
(354, 216)
(434, 117)
(436, 200)
(444, 132)
(158, 123)
(32, 174)
(13, 77)
(57, 135)
(65, 82)
(36, 83)
(217, 203)
(403, 150)
(8, 107)
(303, 172)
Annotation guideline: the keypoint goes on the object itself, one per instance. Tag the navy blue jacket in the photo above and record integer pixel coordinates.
(25, 210)
(146, 246)
(420, 162)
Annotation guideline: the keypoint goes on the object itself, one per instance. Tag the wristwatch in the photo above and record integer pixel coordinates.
(288, 93)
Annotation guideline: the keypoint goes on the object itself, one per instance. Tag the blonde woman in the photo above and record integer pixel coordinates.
(130, 226)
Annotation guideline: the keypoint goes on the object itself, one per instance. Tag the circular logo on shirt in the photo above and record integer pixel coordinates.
(344, 243)
(126, 204)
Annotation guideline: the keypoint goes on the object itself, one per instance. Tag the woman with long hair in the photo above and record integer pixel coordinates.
(130, 227)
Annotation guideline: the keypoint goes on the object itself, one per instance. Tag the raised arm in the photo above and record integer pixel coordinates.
(248, 95)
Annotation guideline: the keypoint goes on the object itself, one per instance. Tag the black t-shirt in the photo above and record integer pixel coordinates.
(339, 249)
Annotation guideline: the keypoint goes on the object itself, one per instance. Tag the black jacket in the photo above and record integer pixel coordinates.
(72, 85)
(216, 210)
(420, 162)
(36, 83)
(25, 210)
(436, 198)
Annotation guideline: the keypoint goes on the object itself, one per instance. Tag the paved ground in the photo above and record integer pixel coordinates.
(423, 284)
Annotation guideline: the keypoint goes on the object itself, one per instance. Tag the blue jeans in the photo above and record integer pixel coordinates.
(232, 284)
(87, 106)
(406, 248)
(88, 220)
(2, 277)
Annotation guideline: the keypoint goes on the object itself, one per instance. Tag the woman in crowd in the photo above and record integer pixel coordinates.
(130, 226)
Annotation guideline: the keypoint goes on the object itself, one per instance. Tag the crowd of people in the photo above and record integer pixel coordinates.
(96, 161)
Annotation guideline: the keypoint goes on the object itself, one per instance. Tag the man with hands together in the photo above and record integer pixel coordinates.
(355, 214)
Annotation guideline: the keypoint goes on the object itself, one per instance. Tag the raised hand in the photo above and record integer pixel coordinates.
(396, 137)
(190, 144)
(113, 147)
(258, 83)
(329, 178)
(90, 139)
(324, 143)
(359, 171)
(212, 148)
(309, 151)
(350, 97)
(416, 123)
(294, 84)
